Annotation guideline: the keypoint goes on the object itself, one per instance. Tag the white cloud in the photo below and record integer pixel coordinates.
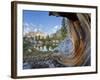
(26, 30)
(30, 27)
(39, 29)
(31, 24)
(35, 30)
(56, 27)
(26, 24)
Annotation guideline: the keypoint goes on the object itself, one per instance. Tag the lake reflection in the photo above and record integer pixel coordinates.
(45, 47)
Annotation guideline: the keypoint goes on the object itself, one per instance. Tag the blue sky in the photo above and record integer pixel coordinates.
(40, 21)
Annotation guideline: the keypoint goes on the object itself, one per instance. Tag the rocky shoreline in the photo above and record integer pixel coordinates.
(49, 63)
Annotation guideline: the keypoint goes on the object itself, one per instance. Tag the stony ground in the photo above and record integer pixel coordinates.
(40, 60)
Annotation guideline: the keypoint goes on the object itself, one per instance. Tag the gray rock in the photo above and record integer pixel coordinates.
(65, 47)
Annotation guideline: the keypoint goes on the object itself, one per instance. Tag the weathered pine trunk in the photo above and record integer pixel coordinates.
(80, 32)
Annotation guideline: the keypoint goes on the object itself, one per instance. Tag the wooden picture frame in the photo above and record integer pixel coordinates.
(82, 22)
